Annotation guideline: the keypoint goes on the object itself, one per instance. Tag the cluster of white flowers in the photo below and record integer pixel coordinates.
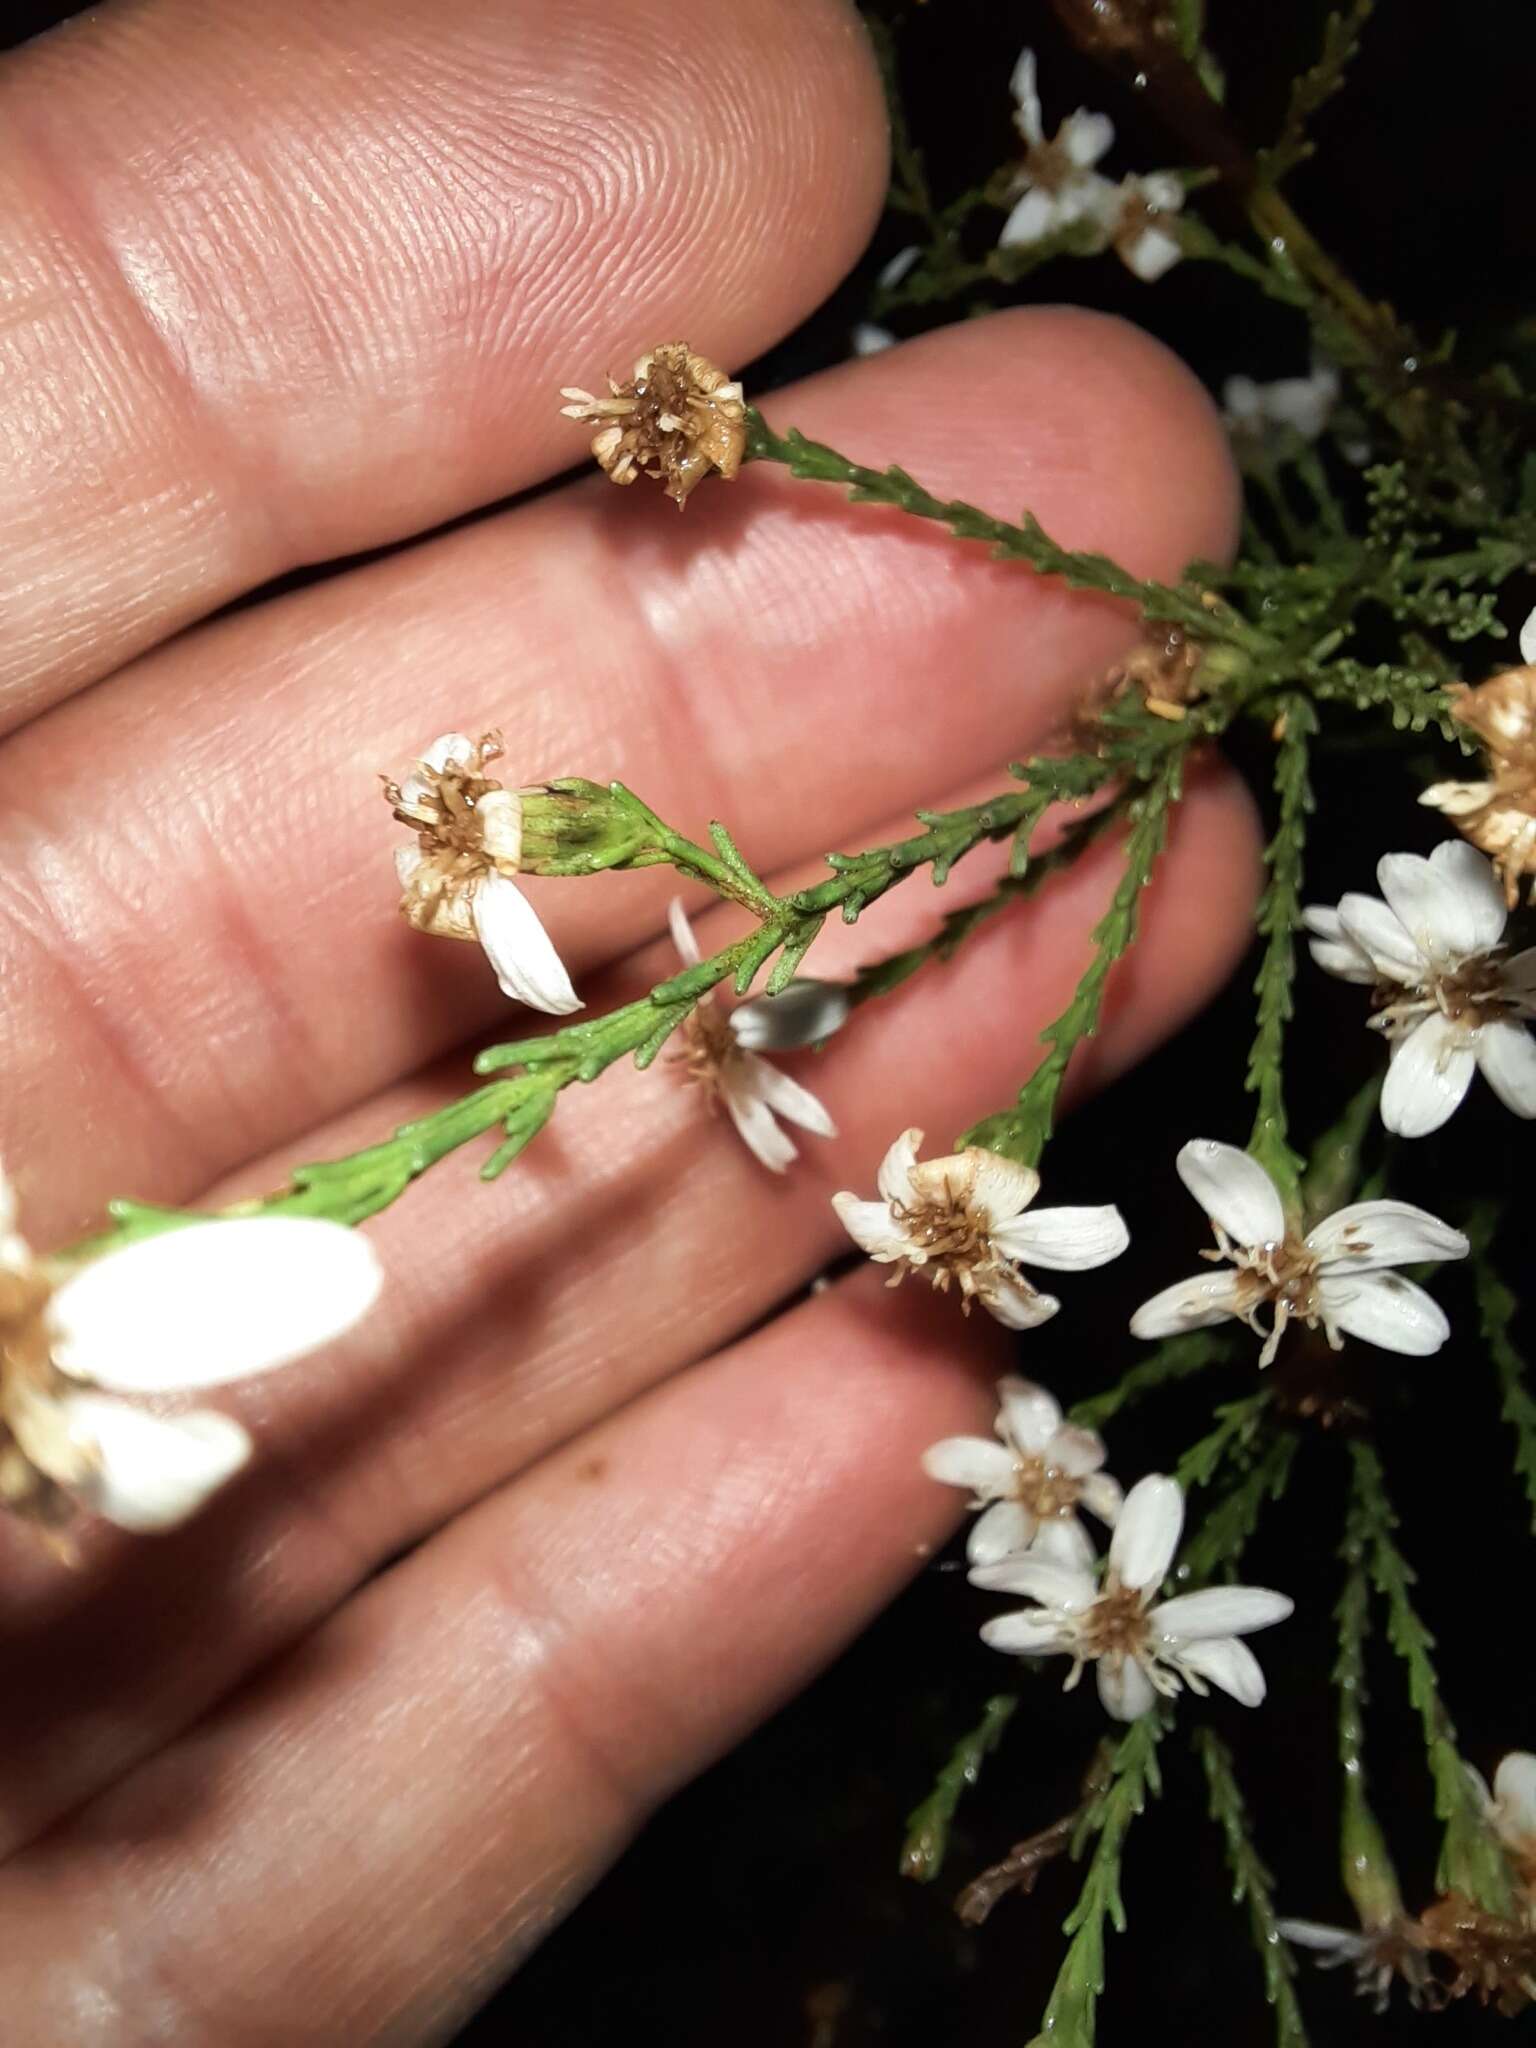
(1030, 1540)
(1301, 406)
(192, 1307)
(1057, 186)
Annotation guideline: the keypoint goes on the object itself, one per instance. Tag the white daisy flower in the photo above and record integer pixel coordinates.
(1030, 1484)
(1510, 1808)
(1338, 1277)
(192, 1307)
(1146, 245)
(722, 1060)
(457, 877)
(1300, 404)
(959, 1221)
(1057, 184)
(1140, 1649)
(1448, 1002)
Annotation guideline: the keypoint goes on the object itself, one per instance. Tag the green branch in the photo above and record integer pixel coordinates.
(1279, 918)
(1369, 1875)
(928, 1825)
(1226, 1528)
(1497, 1309)
(1176, 1358)
(1252, 1886)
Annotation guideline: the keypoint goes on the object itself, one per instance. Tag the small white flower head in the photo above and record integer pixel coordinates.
(1140, 1646)
(1510, 1809)
(1376, 1955)
(192, 1307)
(960, 1221)
(1498, 813)
(1294, 405)
(457, 877)
(1056, 185)
(1030, 1484)
(755, 1094)
(1448, 1001)
(1146, 243)
(1338, 1277)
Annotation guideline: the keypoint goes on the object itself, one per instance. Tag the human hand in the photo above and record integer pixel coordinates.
(585, 1497)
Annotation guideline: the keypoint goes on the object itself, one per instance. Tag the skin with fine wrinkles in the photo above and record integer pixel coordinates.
(288, 286)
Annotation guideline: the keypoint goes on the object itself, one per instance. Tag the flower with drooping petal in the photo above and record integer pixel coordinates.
(1498, 813)
(457, 878)
(1143, 239)
(1140, 1646)
(1448, 1002)
(753, 1090)
(1377, 1955)
(1029, 1484)
(1057, 184)
(805, 1013)
(677, 418)
(192, 1307)
(1338, 1277)
(1295, 405)
(959, 1221)
(1510, 1809)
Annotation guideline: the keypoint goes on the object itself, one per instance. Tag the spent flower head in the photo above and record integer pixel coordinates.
(1337, 1277)
(1498, 812)
(1139, 1646)
(192, 1307)
(1031, 1483)
(959, 1221)
(1448, 1001)
(676, 418)
(457, 877)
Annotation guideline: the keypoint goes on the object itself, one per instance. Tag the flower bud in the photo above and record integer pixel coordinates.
(575, 827)
(807, 1012)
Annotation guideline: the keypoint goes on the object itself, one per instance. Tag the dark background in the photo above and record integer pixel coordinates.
(762, 1908)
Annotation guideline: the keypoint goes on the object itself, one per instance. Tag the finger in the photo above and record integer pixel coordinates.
(459, 1753)
(201, 945)
(285, 284)
(633, 1238)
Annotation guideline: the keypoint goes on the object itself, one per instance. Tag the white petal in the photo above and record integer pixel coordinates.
(1076, 1451)
(1337, 1941)
(1162, 189)
(1054, 1585)
(408, 860)
(528, 969)
(1025, 1635)
(1471, 875)
(997, 1187)
(1445, 919)
(1225, 1662)
(1242, 404)
(1519, 974)
(453, 749)
(1086, 137)
(1219, 1611)
(1024, 85)
(1333, 949)
(1528, 640)
(1064, 1540)
(1234, 1191)
(1006, 1529)
(1457, 799)
(1153, 254)
(212, 1302)
(1192, 1304)
(893, 272)
(894, 1179)
(1029, 1415)
(1384, 1309)
(1431, 1071)
(154, 1470)
(8, 1208)
(870, 1226)
(1125, 1689)
(869, 339)
(756, 1123)
(982, 1467)
(785, 1097)
(1147, 1533)
(1366, 1236)
(805, 1014)
(1374, 928)
(682, 933)
(1102, 1497)
(1015, 1304)
(1514, 1792)
(499, 814)
(1065, 1240)
(1506, 1053)
(1036, 216)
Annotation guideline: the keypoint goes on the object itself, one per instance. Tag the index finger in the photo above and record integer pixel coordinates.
(278, 284)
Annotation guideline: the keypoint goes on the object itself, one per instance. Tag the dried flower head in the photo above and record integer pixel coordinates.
(1491, 1957)
(1498, 813)
(193, 1307)
(676, 419)
(457, 878)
